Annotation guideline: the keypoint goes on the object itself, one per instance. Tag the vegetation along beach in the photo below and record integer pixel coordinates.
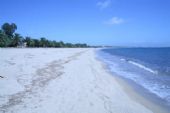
(85, 56)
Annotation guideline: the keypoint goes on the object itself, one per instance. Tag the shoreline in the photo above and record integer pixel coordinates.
(63, 80)
(133, 93)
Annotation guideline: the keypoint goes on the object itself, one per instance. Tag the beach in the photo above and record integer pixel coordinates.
(45, 80)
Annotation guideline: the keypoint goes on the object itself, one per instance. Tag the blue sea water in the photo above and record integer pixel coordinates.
(147, 67)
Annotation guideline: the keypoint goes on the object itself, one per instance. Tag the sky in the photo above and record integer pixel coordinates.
(95, 22)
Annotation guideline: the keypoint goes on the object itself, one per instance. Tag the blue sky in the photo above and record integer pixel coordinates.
(96, 22)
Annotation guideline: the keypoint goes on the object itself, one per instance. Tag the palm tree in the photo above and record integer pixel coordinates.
(9, 29)
(43, 42)
(36, 43)
(15, 41)
(4, 40)
(28, 41)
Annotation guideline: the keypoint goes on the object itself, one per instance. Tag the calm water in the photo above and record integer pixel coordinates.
(147, 67)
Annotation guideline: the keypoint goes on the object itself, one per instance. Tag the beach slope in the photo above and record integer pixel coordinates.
(60, 81)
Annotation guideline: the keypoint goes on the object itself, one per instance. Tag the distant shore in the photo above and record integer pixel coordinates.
(64, 80)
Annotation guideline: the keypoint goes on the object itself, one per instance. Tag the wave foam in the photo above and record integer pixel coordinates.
(143, 67)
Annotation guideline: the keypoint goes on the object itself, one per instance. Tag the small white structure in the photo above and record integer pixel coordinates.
(22, 45)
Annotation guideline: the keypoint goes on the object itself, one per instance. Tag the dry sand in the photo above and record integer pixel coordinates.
(62, 81)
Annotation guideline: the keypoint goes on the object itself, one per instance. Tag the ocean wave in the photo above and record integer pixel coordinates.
(124, 67)
(122, 59)
(142, 66)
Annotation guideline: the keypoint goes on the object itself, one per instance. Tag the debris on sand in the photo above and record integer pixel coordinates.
(1, 77)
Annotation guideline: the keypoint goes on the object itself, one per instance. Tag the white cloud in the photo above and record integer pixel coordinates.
(115, 20)
(104, 4)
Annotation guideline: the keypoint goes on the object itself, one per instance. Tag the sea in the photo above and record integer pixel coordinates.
(146, 69)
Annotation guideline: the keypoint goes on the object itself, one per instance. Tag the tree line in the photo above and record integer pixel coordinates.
(8, 38)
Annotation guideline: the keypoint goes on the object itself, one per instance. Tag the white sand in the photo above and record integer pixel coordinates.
(60, 81)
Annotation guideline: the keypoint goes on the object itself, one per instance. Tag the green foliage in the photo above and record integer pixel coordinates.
(8, 38)
(32, 43)
(4, 39)
(36, 43)
(16, 40)
(28, 41)
(9, 29)
(43, 42)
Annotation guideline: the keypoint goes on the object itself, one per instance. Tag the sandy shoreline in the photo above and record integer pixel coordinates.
(64, 80)
(148, 103)
(152, 103)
